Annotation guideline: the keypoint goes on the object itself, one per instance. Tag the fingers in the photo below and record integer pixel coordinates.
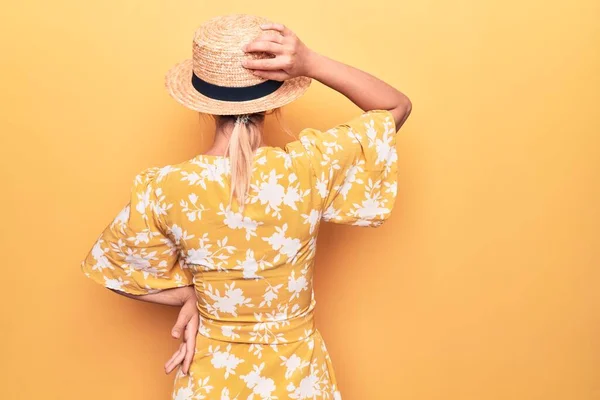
(268, 64)
(182, 320)
(270, 37)
(277, 75)
(170, 361)
(188, 357)
(190, 346)
(176, 358)
(277, 27)
(263, 45)
(186, 326)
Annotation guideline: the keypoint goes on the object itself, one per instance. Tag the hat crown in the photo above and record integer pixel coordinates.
(217, 49)
(214, 80)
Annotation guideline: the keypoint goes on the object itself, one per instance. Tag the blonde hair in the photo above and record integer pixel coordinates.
(245, 139)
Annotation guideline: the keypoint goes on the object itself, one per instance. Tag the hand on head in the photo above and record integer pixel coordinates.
(291, 55)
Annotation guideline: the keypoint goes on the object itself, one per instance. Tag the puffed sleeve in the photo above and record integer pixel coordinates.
(134, 253)
(355, 166)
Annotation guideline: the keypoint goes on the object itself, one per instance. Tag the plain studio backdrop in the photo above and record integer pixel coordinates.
(483, 285)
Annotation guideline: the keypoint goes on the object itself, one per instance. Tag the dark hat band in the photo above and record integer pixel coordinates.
(228, 93)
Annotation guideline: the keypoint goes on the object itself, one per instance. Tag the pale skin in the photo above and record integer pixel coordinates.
(292, 58)
(185, 327)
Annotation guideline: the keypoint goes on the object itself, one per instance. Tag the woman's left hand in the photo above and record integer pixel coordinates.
(187, 323)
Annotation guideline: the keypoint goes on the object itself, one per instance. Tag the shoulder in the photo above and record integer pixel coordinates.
(157, 178)
(155, 174)
(366, 121)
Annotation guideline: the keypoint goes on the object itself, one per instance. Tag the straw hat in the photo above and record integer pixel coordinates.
(214, 80)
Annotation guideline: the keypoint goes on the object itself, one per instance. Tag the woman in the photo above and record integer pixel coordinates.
(230, 235)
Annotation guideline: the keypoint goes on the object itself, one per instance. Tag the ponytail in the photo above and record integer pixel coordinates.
(245, 139)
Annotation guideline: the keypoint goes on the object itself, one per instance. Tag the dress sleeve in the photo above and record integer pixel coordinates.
(356, 167)
(134, 254)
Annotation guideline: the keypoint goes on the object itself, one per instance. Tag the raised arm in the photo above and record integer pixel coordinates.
(362, 88)
(293, 58)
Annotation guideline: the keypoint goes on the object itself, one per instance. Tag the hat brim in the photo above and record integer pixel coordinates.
(178, 82)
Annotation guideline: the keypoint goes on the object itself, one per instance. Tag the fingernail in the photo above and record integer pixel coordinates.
(263, 26)
(176, 334)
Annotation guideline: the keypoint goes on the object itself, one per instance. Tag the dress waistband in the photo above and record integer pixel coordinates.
(267, 332)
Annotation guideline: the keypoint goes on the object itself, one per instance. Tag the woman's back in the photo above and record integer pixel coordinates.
(252, 268)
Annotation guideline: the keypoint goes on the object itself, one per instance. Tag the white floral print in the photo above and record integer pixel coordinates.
(251, 267)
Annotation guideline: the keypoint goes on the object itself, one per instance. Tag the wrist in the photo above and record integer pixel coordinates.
(311, 64)
(187, 293)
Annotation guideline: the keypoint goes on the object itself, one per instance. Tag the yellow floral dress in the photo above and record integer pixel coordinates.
(252, 270)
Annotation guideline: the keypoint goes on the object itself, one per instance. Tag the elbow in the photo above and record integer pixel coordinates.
(402, 111)
(407, 105)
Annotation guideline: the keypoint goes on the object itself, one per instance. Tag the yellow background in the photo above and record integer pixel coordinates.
(484, 283)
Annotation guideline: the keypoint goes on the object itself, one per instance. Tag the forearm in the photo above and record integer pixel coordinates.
(360, 87)
(171, 297)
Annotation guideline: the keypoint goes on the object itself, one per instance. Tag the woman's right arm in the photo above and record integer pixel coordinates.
(362, 88)
(293, 58)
